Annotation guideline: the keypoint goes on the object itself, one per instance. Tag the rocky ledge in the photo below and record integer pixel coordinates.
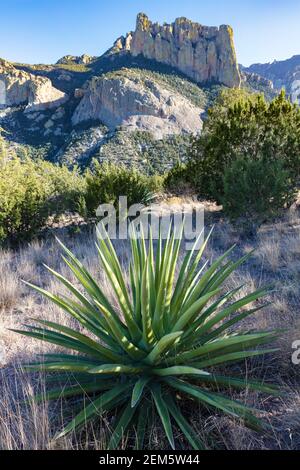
(20, 87)
(137, 104)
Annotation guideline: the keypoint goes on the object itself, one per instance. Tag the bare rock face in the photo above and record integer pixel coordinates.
(295, 90)
(205, 54)
(138, 104)
(20, 87)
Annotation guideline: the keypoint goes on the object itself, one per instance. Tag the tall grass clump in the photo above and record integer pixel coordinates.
(156, 348)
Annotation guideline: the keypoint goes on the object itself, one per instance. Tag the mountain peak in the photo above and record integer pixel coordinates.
(204, 53)
(142, 22)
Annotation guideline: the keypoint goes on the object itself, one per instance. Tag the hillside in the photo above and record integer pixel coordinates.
(284, 74)
(153, 89)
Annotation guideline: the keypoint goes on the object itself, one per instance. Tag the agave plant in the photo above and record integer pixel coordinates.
(159, 348)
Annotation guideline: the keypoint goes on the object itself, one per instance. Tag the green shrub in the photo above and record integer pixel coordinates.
(178, 179)
(155, 350)
(244, 124)
(32, 191)
(23, 200)
(148, 155)
(256, 189)
(65, 188)
(107, 182)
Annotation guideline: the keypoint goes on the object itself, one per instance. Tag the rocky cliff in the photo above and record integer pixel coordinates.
(205, 54)
(20, 87)
(137, 104)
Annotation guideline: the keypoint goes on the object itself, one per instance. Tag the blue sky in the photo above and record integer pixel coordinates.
(36, 31)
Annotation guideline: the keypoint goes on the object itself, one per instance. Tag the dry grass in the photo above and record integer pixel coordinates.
(276, 261)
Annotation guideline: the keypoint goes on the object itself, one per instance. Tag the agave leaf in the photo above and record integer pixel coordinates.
(65, 378)
(66, 357)
(234, 357)
(133, 351)
(121, 427)
(95, 408)
(240, 342)
(122, 299)
(202, 284)
(148, 333)
(136, 276)
(69, 366)
(151, 277)
(163, 412)
(183, 273)
(142, 426)
(85, 340)
(230, 407)
(192, 287)
(108, 250)
(81, 389)
(98, 297)
(161, 306)
(248, 299)
(85, 278)
(162, 346)
(158, 260)
(138, 390)
(163, 247)
(193, 311)
(115, 369)
(240, 383)
(223, 274)
(89, 307)
(65, 305)
(58, 339)
(185, 427)
(187, 273)
(191, 331)
(179, 370)
(81, 314)
(227, 324)
(133, 290)
(171, 277)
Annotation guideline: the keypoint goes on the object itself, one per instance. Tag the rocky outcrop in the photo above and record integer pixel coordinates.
(258, 84)
(283, 73)
(20, 87)
(83, 59)
(295, 89)
(205, 54)
(254, 78)
(137, 104)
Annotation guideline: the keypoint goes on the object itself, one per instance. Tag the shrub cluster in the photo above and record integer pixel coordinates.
(248, 156)
(31, 191)
(256, 189)
(106, 182)
(178, 179)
